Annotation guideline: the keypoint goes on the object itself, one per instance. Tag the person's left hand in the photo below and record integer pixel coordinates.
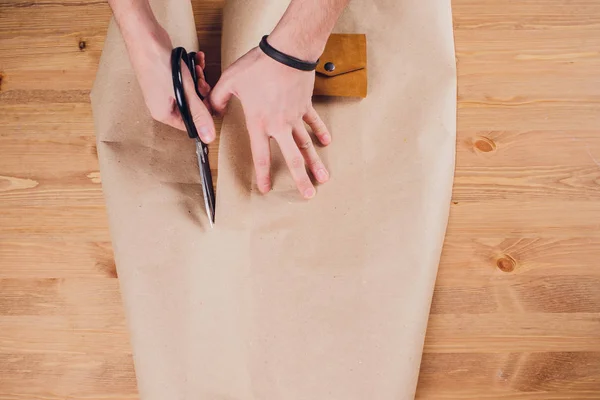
(276, 99)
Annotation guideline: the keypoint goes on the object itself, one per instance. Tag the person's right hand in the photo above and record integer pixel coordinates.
(151, 60)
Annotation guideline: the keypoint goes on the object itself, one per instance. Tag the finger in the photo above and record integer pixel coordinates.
(221, 94)
(295, 162)
(261, 155)
(200, 73)
(307, 148)
(317, 126)
(203, 86)
(201, 59)
(200, 114)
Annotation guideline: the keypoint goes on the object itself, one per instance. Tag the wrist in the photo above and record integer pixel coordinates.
(302, 45)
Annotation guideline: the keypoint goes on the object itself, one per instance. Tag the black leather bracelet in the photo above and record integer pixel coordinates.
(283, 58)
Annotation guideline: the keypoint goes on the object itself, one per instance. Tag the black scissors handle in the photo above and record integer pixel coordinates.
(177, 55)
(189, 59)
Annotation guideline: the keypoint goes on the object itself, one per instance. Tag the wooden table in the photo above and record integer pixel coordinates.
(516, 312)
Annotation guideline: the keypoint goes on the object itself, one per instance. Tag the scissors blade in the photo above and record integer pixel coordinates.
(207, 185)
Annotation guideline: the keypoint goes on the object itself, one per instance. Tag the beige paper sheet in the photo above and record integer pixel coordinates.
(285, 299)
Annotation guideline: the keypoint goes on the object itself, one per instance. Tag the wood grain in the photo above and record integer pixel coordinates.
(516, 311)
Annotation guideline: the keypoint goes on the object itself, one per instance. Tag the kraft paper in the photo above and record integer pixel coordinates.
(285, 299)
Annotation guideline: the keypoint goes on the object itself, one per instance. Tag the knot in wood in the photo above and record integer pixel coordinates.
(506, 264)
(485, 145)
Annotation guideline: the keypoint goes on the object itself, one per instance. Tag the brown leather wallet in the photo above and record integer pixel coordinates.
(342, 69)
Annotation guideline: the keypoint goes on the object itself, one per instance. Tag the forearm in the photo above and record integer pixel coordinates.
(136, 21)
(305, 26)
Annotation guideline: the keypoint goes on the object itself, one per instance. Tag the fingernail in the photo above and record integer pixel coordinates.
(205, 133)
(326, 138)
(322, 175)
(309, 193)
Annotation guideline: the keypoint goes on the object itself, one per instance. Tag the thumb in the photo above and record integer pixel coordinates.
(220, 94)
(200, 114)
(203, 120)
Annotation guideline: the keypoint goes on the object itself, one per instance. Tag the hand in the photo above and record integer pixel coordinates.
(276, 99)
(151, 61)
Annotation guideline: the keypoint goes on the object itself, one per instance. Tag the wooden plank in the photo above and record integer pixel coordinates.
(54, 50)
(56, 335)
(560, 115)
(527, 148)
(512, 332)
(50, 121)
(45, 157)
(48, 81)
(531, 15)
(61, 376)
(530, 182)
(84, 223)
(528, 48)
(84, 301)
(521, 294)
(56, 259)
(502, 79)
(477, 261)
(537, 375)
(16, 191)
(525, 218)
(31, 18)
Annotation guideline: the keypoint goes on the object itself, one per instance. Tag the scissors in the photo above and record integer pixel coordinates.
(177, 55)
